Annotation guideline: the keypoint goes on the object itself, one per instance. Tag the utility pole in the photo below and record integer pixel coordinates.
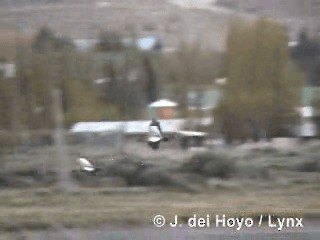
(63, 163)
(125, 103)
(16, 85)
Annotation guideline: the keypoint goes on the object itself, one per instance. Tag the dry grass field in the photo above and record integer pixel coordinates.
(255, 180)
(46, 208)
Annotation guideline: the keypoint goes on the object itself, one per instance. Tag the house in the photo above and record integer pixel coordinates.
(309, 112)
(162, 109)
(149, 43)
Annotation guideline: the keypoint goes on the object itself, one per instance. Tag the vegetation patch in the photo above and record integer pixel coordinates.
(210, 165)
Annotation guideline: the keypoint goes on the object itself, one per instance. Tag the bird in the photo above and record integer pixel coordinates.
(87, 166)
(155, 135)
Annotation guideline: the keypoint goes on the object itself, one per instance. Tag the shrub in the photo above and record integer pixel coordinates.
(252, 172)
(219, 168)
(126, 168)
(210, 165)
(153, 176)
(308, 166)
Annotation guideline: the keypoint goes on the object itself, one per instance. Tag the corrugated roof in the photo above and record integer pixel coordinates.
(129, 127)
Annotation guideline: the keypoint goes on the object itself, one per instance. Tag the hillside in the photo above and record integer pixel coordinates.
(85, 19)
(174, 21)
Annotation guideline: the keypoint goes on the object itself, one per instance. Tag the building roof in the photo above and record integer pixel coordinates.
(129, 127)
(163, 103)
(193, 133)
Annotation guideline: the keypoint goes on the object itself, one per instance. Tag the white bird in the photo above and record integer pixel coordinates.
(86, 165)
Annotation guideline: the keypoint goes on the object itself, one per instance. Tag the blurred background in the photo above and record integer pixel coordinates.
(235, 85)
